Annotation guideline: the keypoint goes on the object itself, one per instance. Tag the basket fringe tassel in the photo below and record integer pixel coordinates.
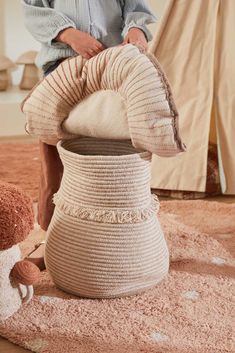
(108, 215)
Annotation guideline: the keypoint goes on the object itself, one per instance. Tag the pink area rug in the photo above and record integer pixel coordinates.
(20, 165)
(191, 311)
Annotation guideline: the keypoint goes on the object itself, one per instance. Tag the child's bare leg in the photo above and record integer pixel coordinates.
(50, 178)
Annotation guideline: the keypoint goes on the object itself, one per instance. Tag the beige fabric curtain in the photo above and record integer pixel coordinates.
(196, 48)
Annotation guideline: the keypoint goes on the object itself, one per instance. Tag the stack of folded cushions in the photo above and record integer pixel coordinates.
(104, 239)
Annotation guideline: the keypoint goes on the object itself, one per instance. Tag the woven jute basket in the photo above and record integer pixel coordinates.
(104, 239)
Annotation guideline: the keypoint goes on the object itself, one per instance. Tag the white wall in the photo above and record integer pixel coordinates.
(2, 24)
(15, 39)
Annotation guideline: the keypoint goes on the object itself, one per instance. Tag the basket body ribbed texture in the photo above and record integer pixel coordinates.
(104, 239)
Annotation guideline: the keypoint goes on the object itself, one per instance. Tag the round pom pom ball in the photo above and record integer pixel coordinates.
(16, 215)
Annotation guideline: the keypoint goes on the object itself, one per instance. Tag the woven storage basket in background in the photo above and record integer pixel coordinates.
(104, 239)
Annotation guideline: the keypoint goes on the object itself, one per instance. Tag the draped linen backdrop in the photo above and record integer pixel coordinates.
(195, 46)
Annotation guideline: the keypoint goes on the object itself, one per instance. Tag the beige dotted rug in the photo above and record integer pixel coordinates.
(191, 311)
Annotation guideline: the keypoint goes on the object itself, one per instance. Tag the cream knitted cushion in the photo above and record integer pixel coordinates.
(142, 104)
(104, 239)
(101, 114)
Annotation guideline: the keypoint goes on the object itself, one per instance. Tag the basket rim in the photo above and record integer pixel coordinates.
(139, 153)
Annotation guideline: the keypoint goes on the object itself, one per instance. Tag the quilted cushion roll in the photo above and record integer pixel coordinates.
(137, 79)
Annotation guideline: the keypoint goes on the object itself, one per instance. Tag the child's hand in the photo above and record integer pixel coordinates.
(136, 37)
(81, 42)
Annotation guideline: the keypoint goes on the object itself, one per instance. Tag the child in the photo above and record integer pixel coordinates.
(80, 27)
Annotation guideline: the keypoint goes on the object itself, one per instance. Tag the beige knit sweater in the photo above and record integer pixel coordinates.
(151, 113)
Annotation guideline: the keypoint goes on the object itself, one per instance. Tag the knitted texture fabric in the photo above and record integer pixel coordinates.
(104, 239)
(16, 215)
(16, 222)
(107, 21)
(138, 78)
(12, 295)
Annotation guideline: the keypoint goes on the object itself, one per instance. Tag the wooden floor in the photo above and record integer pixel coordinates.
(7, 347)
